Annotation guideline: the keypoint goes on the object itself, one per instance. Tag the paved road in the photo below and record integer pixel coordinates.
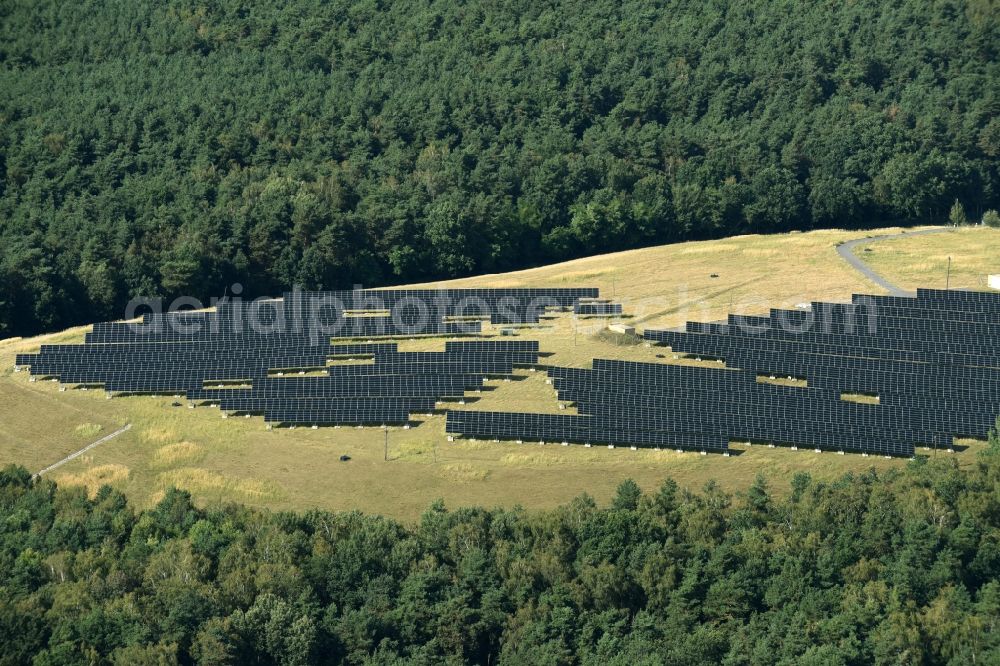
(845, 250)
(84, 450)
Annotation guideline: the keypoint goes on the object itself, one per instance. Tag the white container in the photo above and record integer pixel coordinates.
(995, 282)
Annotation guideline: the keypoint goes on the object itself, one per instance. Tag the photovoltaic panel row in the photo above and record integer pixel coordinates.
(655, 396)
(728, 339)
(932, 361)
(350, 314)
(943, 309)
(334, 387)
(598, 309)
(500, 306)
(844, 372)
(570, 428)
(839, 318)
(919, 343)
(349, 327)
(385, 390)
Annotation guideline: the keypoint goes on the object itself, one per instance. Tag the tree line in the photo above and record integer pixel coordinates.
(899, 567)
(168, 148)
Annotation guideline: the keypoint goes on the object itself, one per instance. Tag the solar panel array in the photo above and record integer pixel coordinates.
(617, 403)
(360, 313)
(499, 306)
(387, 390)
(933, 362)
(267, 358)
(601, 308)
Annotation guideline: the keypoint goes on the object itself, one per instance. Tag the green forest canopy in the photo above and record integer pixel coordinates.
(167, 148)
(902, 568)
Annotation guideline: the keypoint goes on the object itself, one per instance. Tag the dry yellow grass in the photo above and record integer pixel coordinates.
(208, 484)
(922, 261)
(240, 460)
(173, 454)
(671, 284)
(92, 478)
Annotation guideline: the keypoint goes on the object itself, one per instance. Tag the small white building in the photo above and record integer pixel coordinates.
(994, 282)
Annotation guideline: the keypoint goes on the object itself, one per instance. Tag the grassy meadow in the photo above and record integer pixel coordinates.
(238, 459)
(922, 261)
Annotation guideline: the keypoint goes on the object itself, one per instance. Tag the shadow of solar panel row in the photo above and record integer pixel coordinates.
(571, 428)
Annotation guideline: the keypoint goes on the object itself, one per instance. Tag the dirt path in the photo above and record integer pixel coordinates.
(846, 251)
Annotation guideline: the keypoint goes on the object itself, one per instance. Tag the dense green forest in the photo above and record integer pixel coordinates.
(899, 568)
(165, 148)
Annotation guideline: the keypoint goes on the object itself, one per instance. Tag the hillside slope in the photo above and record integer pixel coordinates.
(238, 459)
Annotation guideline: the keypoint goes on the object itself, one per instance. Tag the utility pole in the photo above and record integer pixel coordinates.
(947, 281)
(385, 457)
